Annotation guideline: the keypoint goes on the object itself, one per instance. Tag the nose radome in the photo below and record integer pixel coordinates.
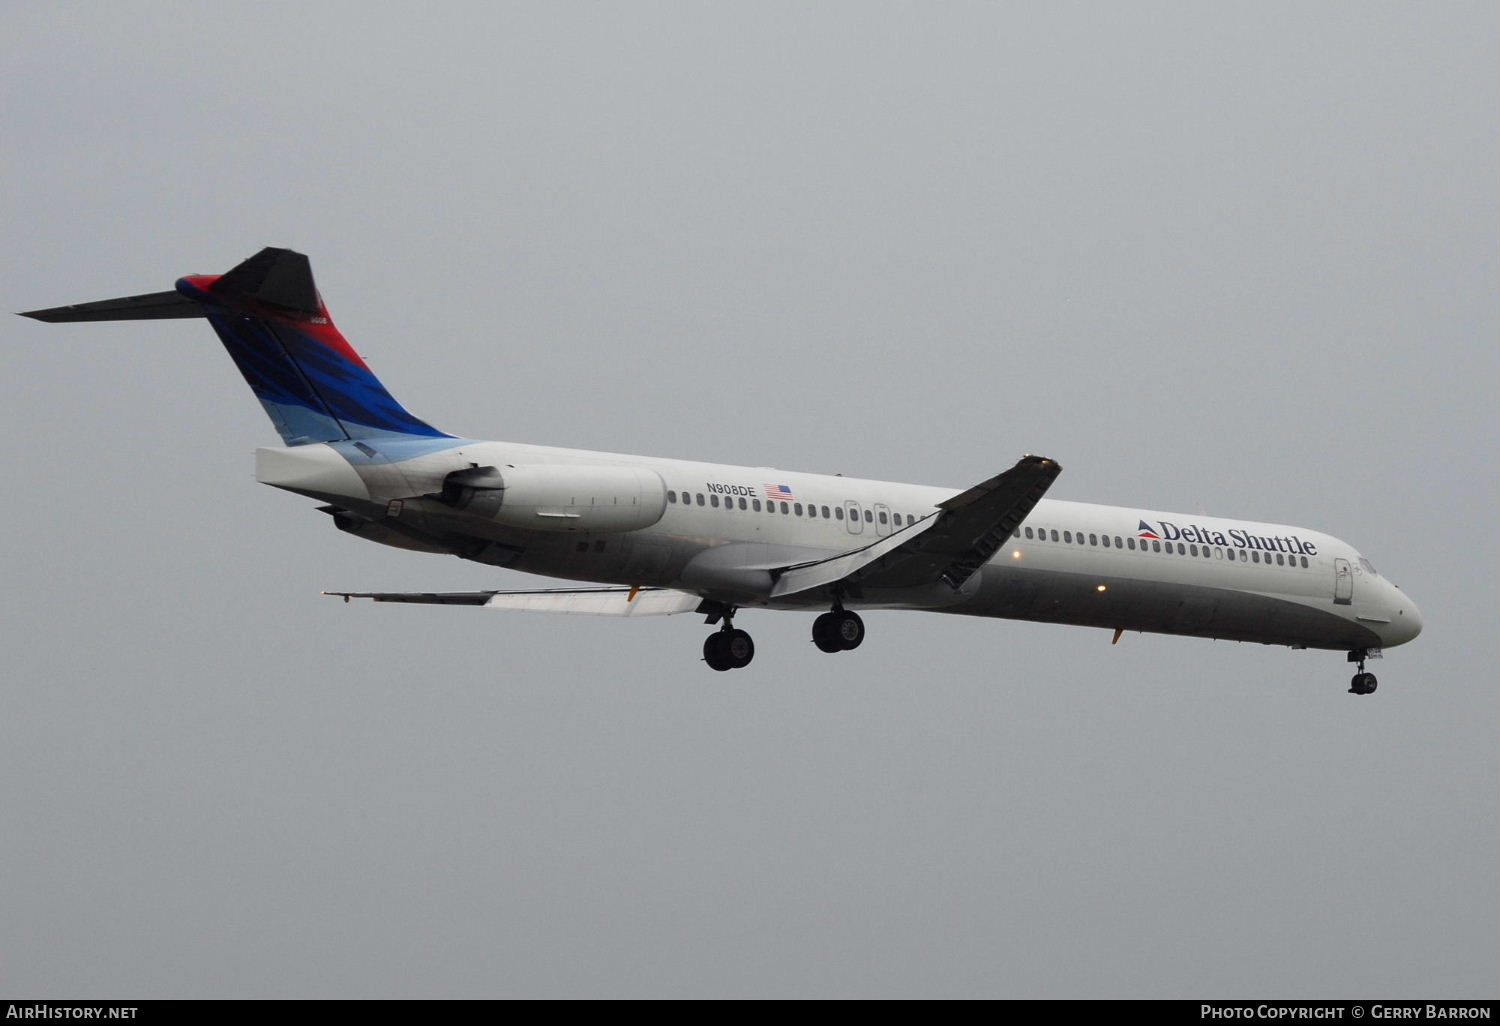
(1407, 623)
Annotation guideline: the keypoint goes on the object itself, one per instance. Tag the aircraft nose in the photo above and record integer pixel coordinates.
(1406, 624)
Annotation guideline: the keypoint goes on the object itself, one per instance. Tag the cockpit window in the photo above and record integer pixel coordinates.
(1369, 567)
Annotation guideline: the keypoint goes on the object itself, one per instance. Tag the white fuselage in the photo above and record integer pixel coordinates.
(719, 533)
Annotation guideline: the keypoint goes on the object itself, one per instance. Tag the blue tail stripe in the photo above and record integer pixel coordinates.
(311, 392)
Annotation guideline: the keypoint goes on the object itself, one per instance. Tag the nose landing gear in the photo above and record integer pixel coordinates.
(1361, 683)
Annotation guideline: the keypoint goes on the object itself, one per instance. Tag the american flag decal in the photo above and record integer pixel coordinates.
(781, 492)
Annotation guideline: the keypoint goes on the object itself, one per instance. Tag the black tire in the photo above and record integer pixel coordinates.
(1370, 683)
(851, 630)
(716, 652)
(825, 633)
(738, 648)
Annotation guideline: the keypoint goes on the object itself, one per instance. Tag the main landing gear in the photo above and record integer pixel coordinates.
(728, 648)
(838, 631)
(1361, 683)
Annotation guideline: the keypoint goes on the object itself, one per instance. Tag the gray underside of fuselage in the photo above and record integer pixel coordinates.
(1161, 608)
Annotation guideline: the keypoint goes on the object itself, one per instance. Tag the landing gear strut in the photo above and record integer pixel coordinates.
(1361, 683)
(838, 631)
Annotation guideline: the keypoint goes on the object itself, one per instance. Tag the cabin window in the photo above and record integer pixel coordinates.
(713, 500)
(1028, 532)
(671, 496)
(825, 512)
(1131, 543)
(797, 508)
(1304, 562)
(1155, 546)
(785, 508)
(882, 518)
(1193, 549)
(868, 516)
(700, 498)
(755, 505)
(838, 512)
(1068, 537)
(742, 502)
(1093, 539)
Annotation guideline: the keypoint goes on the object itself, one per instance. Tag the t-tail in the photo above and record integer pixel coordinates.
(268, 314)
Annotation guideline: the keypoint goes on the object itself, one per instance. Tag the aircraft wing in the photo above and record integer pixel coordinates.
(949, 546)
(589, 601)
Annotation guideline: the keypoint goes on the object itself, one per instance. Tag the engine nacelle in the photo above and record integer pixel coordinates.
(559, 497)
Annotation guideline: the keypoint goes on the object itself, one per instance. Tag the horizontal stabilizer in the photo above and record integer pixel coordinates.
(150, 307)
(586, 601)
(277, 277)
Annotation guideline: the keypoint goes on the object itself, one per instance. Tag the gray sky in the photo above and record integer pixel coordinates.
(1232, 258)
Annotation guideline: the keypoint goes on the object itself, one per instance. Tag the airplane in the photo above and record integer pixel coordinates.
(656, 536)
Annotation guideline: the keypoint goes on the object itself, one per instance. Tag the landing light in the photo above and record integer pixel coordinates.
(1015, 553)
(1101, 588)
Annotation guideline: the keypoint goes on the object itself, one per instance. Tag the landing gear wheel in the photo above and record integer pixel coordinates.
(825, 633)
(728, 649)
(738, 648)
(838, 631)
(851, 630)
(715, 652)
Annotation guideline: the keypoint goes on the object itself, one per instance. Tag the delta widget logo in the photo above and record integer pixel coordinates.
(1235, 538)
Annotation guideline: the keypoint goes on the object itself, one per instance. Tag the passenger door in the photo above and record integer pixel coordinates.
(852, 517)
(1343, 582)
